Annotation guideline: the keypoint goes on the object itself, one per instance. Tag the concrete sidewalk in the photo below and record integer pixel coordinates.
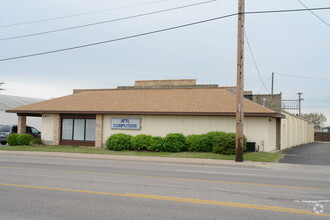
(192, 161)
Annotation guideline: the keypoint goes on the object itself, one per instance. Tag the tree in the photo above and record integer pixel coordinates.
(317, 118)
(1, 83)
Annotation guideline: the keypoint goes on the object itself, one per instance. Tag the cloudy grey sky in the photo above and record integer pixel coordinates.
(295, 43)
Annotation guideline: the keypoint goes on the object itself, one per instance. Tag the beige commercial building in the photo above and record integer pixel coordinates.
(295, 131)
(89, 117)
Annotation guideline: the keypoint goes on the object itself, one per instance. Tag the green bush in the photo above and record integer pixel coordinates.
(12, 140)
(199, 143)
(210, 139)
(141, 142)
(156, 144)
(225, 144)
(216, 141)
(36, 142)
(191, 141)
(213, 134)
(203, 142)
(19, 139)
(119, 142)
(24, 139)
(174, 143)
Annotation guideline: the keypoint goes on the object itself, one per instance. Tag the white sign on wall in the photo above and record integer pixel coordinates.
(126, 123)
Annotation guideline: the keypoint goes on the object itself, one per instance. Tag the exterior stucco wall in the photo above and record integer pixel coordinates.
(261, 130)
(295, 131)
(47, 126)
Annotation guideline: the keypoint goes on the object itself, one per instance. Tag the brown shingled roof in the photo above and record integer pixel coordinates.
(210, 101)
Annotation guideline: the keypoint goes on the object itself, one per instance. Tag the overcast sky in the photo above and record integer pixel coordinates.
(295, 43)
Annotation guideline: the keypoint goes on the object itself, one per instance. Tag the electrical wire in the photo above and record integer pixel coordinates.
(81, 14)
(118, 39)
(314, 14)
(130, 17)
(265, 83)
(254, 61)
(152, 32)
(286, 10)
(304, 77)
(108, 21)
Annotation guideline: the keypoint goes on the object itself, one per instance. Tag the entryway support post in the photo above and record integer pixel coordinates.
(21, 126)
(99, 131)
(56, 129)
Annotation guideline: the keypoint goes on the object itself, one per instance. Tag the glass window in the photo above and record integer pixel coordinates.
(34, 131)
(5, 128)
(28, 130)
(90, 129)
(79, 130)
(67, 128)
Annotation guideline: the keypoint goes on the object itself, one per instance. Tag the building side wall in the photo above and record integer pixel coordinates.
(295, 131)
(151, 83)
(269, 101)
(47, 126)
(261, 130)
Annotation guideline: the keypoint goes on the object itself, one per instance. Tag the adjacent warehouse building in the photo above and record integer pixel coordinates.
(157, 107)
(8, 101)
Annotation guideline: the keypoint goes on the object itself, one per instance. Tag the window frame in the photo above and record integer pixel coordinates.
(83, 142)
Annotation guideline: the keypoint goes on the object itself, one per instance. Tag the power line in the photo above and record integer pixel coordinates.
(153, 32)
(287, 10)
(265, 83)
(118, 39)
(81, 14)
(314, 14)
(108, 21)
(305, 77)
(254, 61)
(135, 16)
(130, 17)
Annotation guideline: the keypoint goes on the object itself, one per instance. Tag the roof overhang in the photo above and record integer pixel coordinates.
(246, 114)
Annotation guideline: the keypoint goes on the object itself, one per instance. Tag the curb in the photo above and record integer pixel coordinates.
(173, 160)
(196, 161)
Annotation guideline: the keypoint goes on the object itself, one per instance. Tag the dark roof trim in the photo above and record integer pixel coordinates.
(29, 114)
(247, 114)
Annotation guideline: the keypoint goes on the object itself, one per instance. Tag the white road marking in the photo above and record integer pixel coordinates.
(213, 172)
(313, 201)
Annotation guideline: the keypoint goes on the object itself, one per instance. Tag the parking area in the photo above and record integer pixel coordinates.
(311, 154)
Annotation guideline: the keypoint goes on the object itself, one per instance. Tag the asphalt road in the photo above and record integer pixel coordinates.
(33, 187)
(312, 154)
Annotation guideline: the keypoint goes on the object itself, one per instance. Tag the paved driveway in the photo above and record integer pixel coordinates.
(312, 154)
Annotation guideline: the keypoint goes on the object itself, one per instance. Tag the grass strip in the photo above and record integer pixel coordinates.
(250, 156)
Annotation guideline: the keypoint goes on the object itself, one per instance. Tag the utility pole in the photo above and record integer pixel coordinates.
(273, 83)
(240, 82)
(299, 102)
